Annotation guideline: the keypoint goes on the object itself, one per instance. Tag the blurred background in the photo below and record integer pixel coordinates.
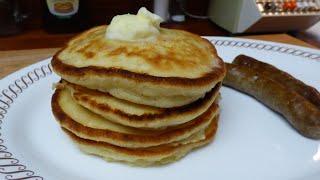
(30, 24)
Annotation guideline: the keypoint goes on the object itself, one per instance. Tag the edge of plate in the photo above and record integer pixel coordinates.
(10, 166)
(305, 52)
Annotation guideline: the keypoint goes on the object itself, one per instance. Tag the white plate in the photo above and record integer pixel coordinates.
(252, 141)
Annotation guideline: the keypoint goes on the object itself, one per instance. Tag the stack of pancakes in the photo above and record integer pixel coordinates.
(144, 102)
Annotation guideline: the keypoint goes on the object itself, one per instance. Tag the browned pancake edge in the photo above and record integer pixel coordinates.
(165, 113)
(147, 152)
(215, 75)
(156, 138)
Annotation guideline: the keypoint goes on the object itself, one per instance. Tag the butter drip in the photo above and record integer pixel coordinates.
(128, 27)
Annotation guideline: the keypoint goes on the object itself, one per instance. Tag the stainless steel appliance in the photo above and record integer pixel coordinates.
(238, 16)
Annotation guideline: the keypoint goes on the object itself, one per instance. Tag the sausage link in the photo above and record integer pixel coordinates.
(308, 92)
(300, 113)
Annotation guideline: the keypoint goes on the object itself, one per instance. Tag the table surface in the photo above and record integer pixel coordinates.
(12, 60)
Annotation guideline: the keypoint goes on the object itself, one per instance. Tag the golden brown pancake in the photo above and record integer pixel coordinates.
(175, 69)
(89, 125)
(157, 155)
(136, 115)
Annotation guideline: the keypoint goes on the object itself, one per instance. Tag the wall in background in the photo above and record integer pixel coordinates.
(102, 11)
(98, 11)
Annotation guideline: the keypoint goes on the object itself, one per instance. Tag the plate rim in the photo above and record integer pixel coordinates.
(33, 73)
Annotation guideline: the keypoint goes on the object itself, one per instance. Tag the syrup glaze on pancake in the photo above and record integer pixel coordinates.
(151, 156)
(135, 115)
(88, 125)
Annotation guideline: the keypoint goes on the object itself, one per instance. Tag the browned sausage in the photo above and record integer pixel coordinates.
(300, 113)
(308, 92)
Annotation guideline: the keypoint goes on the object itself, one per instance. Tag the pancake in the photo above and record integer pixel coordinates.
(175, 69)
(158, 155)
(139, 116)
(89, 125)
(161, 102)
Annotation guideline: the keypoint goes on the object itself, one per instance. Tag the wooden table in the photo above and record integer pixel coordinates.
(13, 60)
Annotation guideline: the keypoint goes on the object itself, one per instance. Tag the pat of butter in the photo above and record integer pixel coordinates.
(128, 27)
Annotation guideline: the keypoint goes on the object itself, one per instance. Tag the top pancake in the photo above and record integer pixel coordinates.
(175, 53)
(176, 63)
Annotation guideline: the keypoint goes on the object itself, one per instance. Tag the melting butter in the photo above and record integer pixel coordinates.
(128, 27)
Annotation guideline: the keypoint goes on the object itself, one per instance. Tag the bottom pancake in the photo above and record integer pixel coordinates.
(157, 155)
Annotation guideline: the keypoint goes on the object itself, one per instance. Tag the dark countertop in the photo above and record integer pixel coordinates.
(38, 38)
